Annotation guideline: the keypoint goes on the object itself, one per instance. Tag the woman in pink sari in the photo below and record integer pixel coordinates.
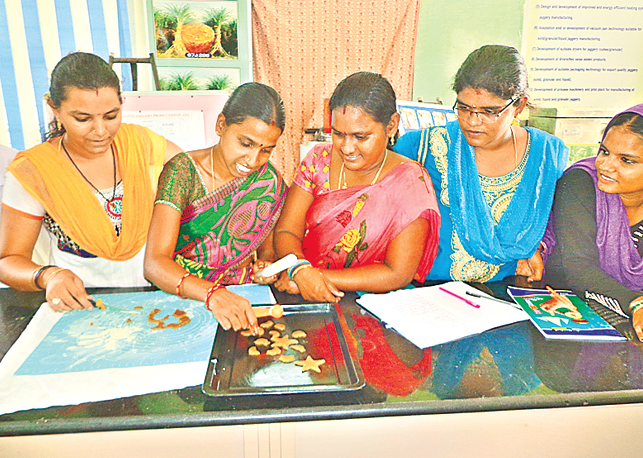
(358, 216)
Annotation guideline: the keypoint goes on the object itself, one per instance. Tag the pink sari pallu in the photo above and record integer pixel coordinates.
(353, 227)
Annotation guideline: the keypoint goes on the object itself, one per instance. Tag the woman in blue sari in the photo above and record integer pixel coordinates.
(495, 185)
(495, 181)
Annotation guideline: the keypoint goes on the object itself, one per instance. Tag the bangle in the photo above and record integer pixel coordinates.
(209, 295)
(299, 263)
(178, 285)
(635, 305)
(58, 269)
(298, 268)
(36, 274)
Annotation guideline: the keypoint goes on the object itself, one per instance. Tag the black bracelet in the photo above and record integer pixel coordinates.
(38, 274)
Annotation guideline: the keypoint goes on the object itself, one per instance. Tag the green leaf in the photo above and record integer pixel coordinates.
(349, 259)
(362, 230)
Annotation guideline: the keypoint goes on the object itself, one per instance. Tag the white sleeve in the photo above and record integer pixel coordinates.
(17, 197)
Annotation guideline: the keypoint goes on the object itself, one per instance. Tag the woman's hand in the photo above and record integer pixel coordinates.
(637, 321)
(258, 266)
(314, 286)
(65, 291)
(285, 284)
(232, 310)
(531, 268)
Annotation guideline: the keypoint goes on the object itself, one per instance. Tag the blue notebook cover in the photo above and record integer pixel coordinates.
(566, 317)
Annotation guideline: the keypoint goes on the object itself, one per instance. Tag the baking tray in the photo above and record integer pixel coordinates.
(237, 379)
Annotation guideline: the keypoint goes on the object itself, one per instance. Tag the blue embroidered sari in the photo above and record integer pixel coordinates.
(488, 224)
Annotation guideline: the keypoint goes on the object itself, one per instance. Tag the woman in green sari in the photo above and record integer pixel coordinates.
(216, 207)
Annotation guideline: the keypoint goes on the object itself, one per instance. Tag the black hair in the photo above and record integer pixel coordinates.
(498, 69)
(80, 70)
(630, 120)
(255, 100)
(368, 91)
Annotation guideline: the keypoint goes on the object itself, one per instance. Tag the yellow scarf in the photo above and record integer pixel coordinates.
(49, 177)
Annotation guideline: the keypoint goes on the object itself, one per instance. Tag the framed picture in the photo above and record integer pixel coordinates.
(199, 78)
(189, 36)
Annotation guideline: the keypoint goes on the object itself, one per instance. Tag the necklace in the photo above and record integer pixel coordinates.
(513, 138)
(212, 167)
(109, 201)
(341, 182)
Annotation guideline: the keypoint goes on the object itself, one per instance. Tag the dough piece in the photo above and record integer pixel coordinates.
(267, 324)
(273, 351)
(287, 358)
(274, 334)
(310, 364)
(280, 327)
(252, 351)
(299, 348)
(298, 334)
(248, 332)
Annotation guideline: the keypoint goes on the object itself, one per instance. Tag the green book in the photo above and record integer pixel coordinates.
(563, 316)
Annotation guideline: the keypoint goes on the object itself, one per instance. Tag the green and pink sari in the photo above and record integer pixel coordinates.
(220, 230)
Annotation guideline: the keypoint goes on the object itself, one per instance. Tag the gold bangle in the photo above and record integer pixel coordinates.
(58, 269)
(38, 273)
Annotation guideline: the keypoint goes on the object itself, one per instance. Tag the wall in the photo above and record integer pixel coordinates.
(33, 42)
(449, 30)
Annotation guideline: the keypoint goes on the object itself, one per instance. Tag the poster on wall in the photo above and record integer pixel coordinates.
(420, 115)
(584, 54)
(196, 29)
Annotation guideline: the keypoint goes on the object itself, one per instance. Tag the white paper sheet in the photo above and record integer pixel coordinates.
(40, 391)
(428, 316)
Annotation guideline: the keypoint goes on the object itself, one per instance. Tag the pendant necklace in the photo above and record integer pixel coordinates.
(341, 182)
(109, 201)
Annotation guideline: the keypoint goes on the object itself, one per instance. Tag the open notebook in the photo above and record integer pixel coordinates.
(429, 316)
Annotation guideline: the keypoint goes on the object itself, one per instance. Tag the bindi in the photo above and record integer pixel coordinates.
(478, 92)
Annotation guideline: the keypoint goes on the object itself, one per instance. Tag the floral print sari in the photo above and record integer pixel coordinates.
(354, 226)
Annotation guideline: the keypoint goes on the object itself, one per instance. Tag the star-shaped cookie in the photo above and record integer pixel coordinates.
(283, 342)
(310, 364)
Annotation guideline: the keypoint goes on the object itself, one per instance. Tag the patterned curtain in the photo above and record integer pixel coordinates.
(304, 48)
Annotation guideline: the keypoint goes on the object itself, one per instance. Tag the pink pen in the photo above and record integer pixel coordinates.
(459, 297)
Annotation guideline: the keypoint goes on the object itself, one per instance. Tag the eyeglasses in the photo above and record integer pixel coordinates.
(486, 116)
